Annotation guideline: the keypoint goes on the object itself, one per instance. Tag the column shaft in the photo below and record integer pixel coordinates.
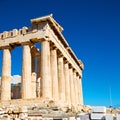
(71, 86)
(33, 75)
(75, 87)
(6, 76)
(39, 91)
(54, 74)
(45, 70)
(67, 84)
(38, 57)
(61, 79)
(26, 72)
(33, 85)
(80, 96)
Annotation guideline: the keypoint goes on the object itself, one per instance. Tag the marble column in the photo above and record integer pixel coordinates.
(75, 87)
(81, 93)
(61, 80)
(38, 89)
(33, 85)
(26, 72)
(80, 97)
(6, 75)
(54, 74)
(33, 75)
(72, 93)
(67, 84)
(45, 70)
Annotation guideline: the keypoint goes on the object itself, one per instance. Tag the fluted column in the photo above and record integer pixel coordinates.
(67, 83)
(54, 74)
(75, 87)
(81, 93)
(38, 89)
(26, 72)
(45, 70)
(6, 75)
(33, 85)
(61, 79)
(71, 87)
(33, 75)
(80, 96)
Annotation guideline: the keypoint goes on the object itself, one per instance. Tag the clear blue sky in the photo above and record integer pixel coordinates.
(92, 29)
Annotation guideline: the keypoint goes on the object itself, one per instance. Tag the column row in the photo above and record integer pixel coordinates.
(6, 74)
(57, 79)
(60, 80)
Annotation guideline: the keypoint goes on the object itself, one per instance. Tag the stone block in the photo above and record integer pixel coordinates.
(9, 33)
(20, 31)
(96, 116)
(24, 30)
(72, 118)
(5, 117)
(117, 116)
(16, 110)
(109, 117)
(23, 116)
(2, 112)
(47, 118)
(17, 118)
(99, 109)
(83, 116)
(23, 109)
(15, 32)
(35, 118)
(64, 118)
(43, 111)
(78, 118)
(5, 34)
(1, 35)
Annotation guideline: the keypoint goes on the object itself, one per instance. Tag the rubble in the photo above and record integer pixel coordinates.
(64, 113)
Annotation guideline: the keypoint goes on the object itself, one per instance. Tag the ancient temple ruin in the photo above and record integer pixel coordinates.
(59, 71)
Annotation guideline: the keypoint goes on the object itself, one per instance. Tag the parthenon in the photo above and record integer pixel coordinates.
(59, 72)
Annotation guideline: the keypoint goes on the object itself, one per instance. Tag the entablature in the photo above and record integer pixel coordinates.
(42, 28)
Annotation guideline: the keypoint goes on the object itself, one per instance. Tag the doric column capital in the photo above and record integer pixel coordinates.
(53, 46)
(70, 66)
(60, 55)
(74, 71)
(10, 47)
(66, 61)
(26, 43)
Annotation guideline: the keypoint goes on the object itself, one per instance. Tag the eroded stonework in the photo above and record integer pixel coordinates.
(56, 79)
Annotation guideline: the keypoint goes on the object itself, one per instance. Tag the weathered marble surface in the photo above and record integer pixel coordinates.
(99, 109)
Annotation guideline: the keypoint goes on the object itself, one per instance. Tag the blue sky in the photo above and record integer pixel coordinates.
(92, 29)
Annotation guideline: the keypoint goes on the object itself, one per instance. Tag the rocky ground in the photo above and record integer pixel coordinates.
(29, 111)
